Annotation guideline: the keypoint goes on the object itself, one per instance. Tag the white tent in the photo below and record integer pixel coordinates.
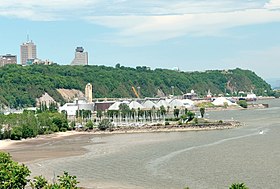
(135, 105)
(150, 105)
(115, 106)
(221, 101)
(163, 103)
(185, 103)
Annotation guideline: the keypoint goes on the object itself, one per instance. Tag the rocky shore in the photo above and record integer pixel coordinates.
(170, 128)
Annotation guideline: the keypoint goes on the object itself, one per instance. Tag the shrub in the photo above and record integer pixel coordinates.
(104, 125)
(243, 103)
(89, 124)
(238, 186)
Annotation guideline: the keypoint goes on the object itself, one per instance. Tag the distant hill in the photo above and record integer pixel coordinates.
(275, 83)
(20, 86)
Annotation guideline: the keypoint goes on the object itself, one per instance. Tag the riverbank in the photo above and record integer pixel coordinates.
(8, 144)
(4, 144)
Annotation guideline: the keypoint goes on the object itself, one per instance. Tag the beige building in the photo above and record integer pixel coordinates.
(81, 57)
(88, 93)
(28, 52)
(8, 59)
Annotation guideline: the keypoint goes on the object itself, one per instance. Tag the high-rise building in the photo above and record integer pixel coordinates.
(28, 53)
(81, 57)
(88, 92)
(8, 59)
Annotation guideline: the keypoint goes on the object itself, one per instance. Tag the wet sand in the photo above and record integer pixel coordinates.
(72, 143)
(42, 147)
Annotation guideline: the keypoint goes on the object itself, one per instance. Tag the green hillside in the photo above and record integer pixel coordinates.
(19, 86)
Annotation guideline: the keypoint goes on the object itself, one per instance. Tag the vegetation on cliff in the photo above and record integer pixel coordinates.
(20, 86)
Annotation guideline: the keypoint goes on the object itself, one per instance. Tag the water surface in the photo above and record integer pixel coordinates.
(200, 160)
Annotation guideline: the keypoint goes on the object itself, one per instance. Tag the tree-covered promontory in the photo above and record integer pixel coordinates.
(21, 85)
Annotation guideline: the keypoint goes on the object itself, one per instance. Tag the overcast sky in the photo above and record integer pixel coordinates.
(187, 34)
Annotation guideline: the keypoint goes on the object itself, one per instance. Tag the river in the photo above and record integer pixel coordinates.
(199, 160)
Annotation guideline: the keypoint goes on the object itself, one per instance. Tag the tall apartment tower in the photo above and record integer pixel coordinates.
(88, 92)
(27, 52)
(81, 57)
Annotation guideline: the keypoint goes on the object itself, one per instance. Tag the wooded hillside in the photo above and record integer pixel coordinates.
(20, 86)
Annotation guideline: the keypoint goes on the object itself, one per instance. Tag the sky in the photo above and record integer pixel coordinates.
(192, 35)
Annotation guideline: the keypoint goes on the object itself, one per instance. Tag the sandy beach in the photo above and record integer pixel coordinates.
(67, 145)
(41, 147)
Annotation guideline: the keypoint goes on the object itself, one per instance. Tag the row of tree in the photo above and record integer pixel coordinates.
(30, 124)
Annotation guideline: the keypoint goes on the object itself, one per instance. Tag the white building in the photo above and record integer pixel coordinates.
(78, 104)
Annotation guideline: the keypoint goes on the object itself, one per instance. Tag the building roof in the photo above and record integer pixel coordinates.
(185, 103)
(150, 105)
(135, 105)
(163, 103)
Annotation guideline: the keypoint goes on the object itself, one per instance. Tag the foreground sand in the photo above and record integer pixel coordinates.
(4, 144)
(66, 144)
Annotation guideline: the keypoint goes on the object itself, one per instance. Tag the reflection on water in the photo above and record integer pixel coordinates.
(205, 159)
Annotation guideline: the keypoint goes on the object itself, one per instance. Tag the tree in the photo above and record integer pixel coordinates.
(202, 112)
(99, 114)
(105, 124)
(39, 182)
(124, 108)
(67, 181)
(190, 116)
(12, 174)
(162, 110)
(176, 112)
(238, 186)
(89, 124)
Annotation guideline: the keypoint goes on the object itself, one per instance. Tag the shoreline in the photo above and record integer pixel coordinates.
(8, 144)
(5, 144)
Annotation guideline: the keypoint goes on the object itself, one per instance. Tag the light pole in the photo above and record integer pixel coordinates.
(172, 89)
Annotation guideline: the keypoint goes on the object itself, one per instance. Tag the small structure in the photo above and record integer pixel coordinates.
(222, 101)
(81, 57)
(190, 95)
(182, 104)
(78, 104)
(45, 99)
(251, 97)
(88, 92)
(103, 106)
